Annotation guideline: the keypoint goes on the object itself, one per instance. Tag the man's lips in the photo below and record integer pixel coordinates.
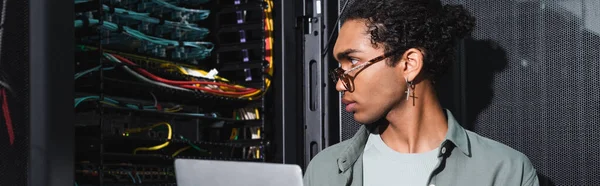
(349, 105)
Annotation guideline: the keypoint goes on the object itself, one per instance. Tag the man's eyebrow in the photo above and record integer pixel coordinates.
(346, 53)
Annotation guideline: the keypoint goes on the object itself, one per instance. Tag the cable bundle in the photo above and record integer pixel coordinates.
(211, 87)
(184, 69)
(203, 14)
(202, 49)
(269, 41)
(192, 31)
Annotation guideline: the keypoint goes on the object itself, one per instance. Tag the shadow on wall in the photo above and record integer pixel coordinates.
(546, 37)
(482, 65)
(489, 59)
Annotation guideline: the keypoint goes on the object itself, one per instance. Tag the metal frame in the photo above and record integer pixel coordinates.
(287, 123)
(51, 51)
(315, 116)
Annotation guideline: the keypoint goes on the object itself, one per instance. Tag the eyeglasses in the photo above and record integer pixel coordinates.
(348, 80)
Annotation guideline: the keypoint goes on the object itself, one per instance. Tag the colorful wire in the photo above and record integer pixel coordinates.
(181, 150)
(153, 148)
(7, 119)
(232, 90)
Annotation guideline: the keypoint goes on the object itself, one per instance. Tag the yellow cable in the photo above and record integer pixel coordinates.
(257, 114)
(181, 150)
(269, 23)
(173, 109)
(182, 70)
(254, 93)
(234, 133)
(158, 147)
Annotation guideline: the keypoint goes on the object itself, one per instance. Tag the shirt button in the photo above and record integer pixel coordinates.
(443, 152)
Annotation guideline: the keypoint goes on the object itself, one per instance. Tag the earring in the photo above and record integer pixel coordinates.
(410, 85)
(407, 88)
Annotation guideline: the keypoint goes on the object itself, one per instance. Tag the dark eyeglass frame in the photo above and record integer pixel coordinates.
(348, 80)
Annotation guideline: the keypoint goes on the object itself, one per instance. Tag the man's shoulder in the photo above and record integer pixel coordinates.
(483, 146)
(490, 154)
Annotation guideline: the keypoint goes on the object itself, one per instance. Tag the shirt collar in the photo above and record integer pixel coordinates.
(455, 134)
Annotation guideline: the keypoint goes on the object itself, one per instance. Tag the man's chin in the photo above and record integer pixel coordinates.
(360, 118)
(365, 119)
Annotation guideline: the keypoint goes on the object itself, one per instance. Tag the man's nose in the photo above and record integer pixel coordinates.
(339, 86)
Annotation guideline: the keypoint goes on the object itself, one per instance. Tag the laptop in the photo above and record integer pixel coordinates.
(192, 172)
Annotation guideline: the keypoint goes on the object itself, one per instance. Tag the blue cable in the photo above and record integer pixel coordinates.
(79, 100)
(130, 175)
(202, 13)
(131, 106)
(80, 74)
(145, 17)
(81, 1)
(138, 177)
(198, 48)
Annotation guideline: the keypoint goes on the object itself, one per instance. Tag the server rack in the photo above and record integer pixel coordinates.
(148, 91)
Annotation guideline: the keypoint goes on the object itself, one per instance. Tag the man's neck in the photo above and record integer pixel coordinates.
(416, 128)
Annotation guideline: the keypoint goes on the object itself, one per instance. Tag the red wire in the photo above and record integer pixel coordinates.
(216, 91)
(187, 84)
(9, 126)
(172, 81)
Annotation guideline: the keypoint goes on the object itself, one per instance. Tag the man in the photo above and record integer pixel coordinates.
(390, 53)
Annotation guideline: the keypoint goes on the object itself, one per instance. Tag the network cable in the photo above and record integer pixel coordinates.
(138, 35)
(268, 45)
(111, 101)
(180, 150)
(112, 58)
(202, 13)
(191, 145)
(153, 148)
(155, 107)
(209, 87)
(80, 74)
(184, 69)
(81, 1)
(145, 17)
(7, 118)
(115, 103)
(251, 93)
(202, 49)
(130, 175)
(5, 85)
(138, 177)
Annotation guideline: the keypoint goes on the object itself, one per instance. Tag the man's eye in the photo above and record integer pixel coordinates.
(354, 61)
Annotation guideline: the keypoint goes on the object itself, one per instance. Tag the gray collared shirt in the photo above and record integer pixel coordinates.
(465, 158)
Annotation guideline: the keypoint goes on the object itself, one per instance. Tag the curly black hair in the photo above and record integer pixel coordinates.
(424, 24)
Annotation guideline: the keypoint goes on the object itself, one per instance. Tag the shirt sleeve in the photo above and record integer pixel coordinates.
(532, 181)
(529, 174)
(307, 176)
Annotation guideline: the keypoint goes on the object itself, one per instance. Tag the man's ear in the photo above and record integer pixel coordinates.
(412, 63)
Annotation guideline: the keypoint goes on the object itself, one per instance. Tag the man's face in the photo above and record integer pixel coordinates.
(377, 88)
